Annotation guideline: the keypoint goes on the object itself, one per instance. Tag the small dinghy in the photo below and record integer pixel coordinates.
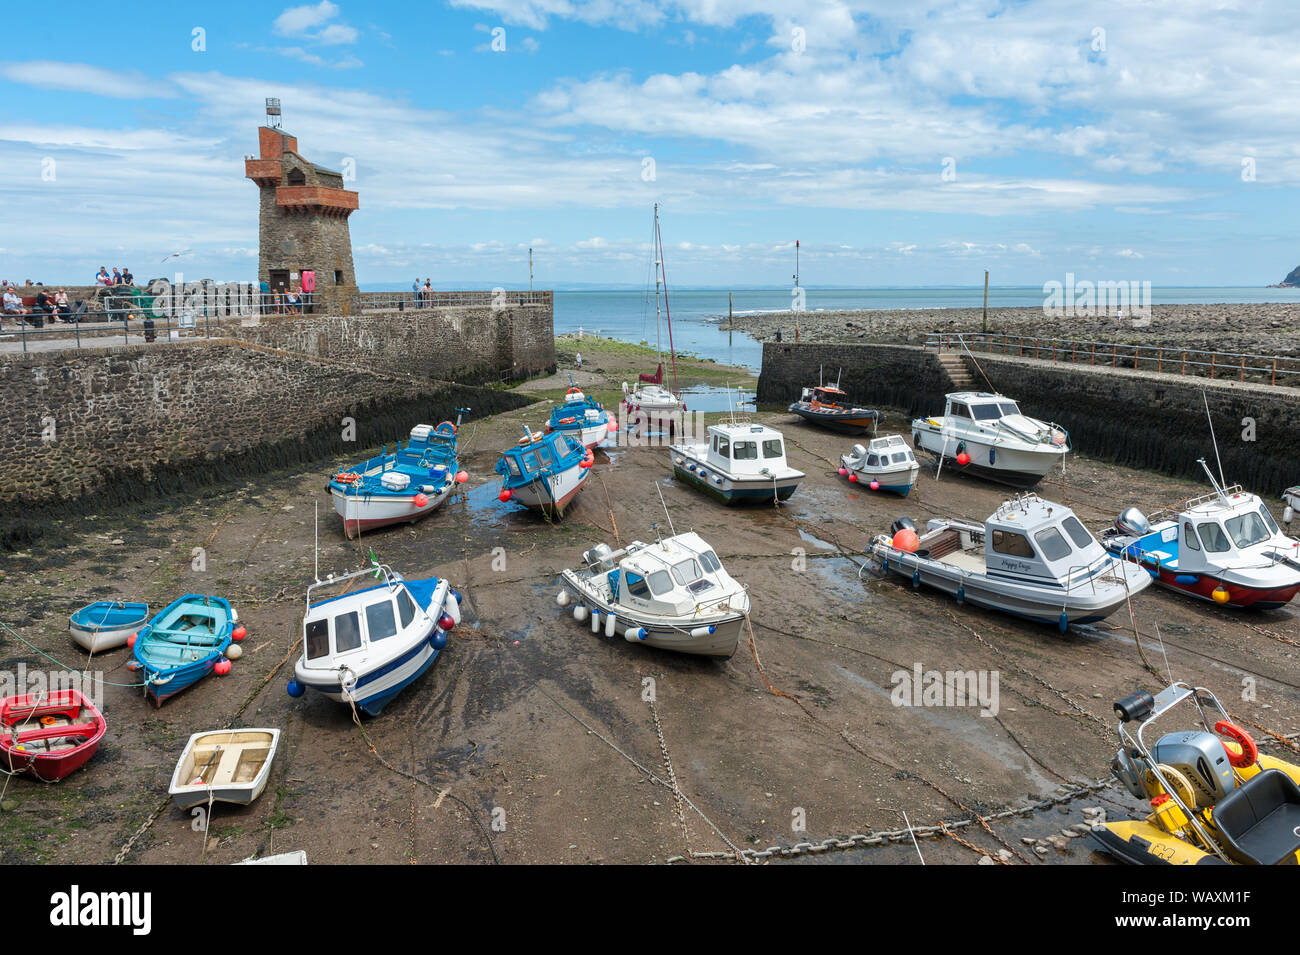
(366, 646)
(987, 436)
(672, 594)
(1032, 558)
(183, 643)
(829, 407)
(106, 624)
(49, 735)
(885, 464)
(581, 417)
(1215, 799)
(741, 463)
(402, 487)
(224, 766)
(1224, 546)
(544, 472)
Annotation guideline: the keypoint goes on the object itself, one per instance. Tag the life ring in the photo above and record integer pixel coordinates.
(567, 420)
(347, 477)
(1249, 753)
(48, 720)
(446, 428)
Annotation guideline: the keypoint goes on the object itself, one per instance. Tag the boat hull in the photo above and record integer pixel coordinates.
(678, 636)
(552, 496)
(362, 513)
(735, 491)
(231, 790)
(589, 435)
(1203, 585)
(844, 423)
(105, 625)
(377, 688)
(1015, 467)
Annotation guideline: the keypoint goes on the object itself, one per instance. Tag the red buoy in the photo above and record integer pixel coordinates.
(963, 459)
(906, 540)
(421, 500)
(875, 485)
(461, 477)
(613, 424)
(445, 621)
(853, 478)
(130, 641)
(505, 495)
(222, 667)
(238, 633)
(843, 471)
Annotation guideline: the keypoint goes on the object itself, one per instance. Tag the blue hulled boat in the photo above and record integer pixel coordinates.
(183, 643)
(581, 417)
(544, 472)
(105, 624)
(400, 487)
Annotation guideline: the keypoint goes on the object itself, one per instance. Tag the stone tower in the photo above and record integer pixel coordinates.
(303, 221)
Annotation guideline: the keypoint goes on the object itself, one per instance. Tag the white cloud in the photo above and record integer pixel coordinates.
(296, 21)
(83, 78)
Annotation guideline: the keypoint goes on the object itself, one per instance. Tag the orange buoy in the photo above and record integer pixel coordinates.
(906, 540)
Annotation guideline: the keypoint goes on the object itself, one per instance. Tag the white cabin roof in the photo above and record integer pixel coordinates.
(1028, 513)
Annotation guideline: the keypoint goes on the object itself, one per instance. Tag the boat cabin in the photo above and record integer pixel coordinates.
(670, 578)
(889, 451)
(979, 407)
(828, 395)
(753, 450)
(537, 454)
(1219, 531)
(1032, 537)
(344, 628)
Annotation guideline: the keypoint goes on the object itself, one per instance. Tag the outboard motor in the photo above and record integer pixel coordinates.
(1133, 522)
(600, 558)
(1203, 759)
(1131, 773)
(858, 454)
(900, 524)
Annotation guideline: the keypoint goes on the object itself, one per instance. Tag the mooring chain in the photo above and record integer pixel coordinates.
(672, 776)
(881, 837)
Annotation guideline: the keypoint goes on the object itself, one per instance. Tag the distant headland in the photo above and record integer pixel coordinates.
(1291, 281)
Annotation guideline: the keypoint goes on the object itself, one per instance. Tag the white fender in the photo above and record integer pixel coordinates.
(595, 620)
(703, 631)
(579, 613)
(634, 634)
(610, 623)
(562, 598)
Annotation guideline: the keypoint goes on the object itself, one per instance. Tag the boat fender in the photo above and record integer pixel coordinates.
(1288, 514)
(438, 639)
(611, 623)
(446, 622)
(562, 598)
(238, 633)
(634, 634)
(993, 455)
(1187, 580)
(853, 478)
(717, 480)
(689, 467)
(961, 594)
(427, 489)
(295, 689)
(1248, 755)
(595, 620)
(222, 667)
(963, 458)
(1220, 594)
(703, 631)
(459, 599)
(843, 470)
(1063, 622)
(234, 651)
(874, 485)
(130, 641)
(579, 613)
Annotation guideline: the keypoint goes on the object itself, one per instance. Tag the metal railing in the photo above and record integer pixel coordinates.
(401, 301)
(97, 329)
(1165, 359)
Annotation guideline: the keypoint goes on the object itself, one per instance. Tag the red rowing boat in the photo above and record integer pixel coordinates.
(49, 735)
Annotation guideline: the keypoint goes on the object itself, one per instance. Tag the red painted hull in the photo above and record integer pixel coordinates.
(1238, 596)
(26, 713)
(353, 528)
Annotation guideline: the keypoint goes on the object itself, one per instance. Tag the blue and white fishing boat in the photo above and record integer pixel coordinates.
(740, 463)
(544, 472)
(366, 646)
(106, 624)
(184, 643)
(400, 487)
(885, 464)
(581, 417)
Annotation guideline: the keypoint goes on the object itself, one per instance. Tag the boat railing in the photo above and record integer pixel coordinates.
(374, 570)
(1160, 358)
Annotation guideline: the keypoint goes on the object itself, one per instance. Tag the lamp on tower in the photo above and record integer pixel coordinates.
(272, 112)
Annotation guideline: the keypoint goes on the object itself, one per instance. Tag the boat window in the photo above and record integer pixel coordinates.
(1247, 529)
(530, 461)
(380, 622)
(1268, 519)
(1008, 407)
(544, 454)
(900, 457)
(636, 585)
(1012, 544)
(513, 465)
(318, 639)
(660, 583)
(959, 410)
(772, 449)
(1190, 540)
(746, 451)
(1213, 538)
(405, 607)
(347, 632)
(873, 460)
(1078, 533)
(561, 448)
(687, 570)
(724, 446)
(710, 561)
(987, 412)
(1053, 544)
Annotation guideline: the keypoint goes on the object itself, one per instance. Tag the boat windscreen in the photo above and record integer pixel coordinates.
(1212, 537)
(561, 449)
(1052, 543)
(772, 448)
(746, 451)
(986, 412)
(380, 621)
(1268, 519)
(318, 639)
(1008, 408)
(1078, 533)
(347, 632)
(660, 583)
(687, 570)
(1247, 529)
(710, 561)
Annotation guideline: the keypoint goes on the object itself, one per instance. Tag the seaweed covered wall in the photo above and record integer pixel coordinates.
(1142, 420)
(87, 428)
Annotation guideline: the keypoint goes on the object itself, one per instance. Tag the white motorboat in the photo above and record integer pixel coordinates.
(366, 646)
(1032, 558)
(673, 594)
(650, 402)
(1224, 546)
(224, 766)
(886, 464)
(986, 435)
(740, 463)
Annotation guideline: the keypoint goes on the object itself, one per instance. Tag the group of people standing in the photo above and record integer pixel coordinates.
(423, 293)
(120, 276)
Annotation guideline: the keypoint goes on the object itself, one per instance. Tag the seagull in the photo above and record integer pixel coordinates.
(175, 254)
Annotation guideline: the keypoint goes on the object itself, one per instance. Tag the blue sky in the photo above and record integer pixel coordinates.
(901, 143)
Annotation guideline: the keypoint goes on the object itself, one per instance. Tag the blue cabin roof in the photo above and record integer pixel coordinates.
(538, 455)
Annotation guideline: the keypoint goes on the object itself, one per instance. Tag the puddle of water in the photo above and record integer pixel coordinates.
(711, 398)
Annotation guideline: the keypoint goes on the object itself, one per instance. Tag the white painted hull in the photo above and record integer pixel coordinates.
(100, 640)
(227, 780)
(1019, 464)
(554, 493)
(361, 513)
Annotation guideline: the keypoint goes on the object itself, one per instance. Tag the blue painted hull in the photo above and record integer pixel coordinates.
(158, 651)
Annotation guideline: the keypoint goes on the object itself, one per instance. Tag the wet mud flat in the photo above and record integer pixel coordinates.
(547, 731)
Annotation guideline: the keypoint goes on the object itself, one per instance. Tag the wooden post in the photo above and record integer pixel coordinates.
(1114, 353)
(728, 319)
(1160, 358)
(986, 300)
(1212, 356)
(1242, 375)
(1274, 381)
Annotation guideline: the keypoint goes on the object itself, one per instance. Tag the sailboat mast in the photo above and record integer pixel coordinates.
(654, 254)
(668, 315)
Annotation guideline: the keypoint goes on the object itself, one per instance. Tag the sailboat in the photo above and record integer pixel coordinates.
(650, 399)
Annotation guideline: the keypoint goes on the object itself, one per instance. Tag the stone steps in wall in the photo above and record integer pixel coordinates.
(958, 374)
